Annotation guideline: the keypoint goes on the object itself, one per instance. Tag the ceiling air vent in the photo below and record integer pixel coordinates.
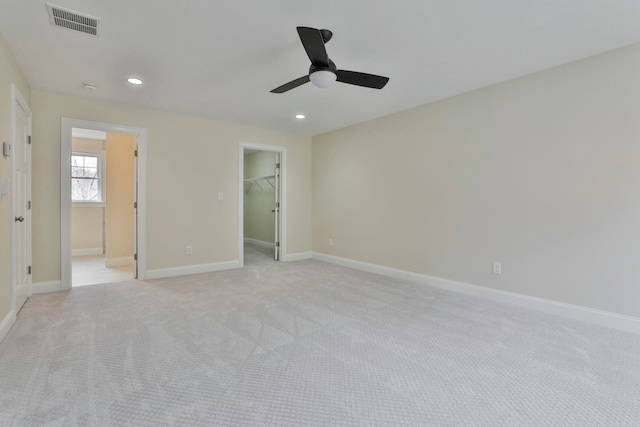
(65, 18)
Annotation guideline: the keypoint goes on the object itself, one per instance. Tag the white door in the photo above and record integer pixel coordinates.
(277, 207)
(21, 207)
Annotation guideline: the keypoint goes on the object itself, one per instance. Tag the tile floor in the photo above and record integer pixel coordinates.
(90, 270)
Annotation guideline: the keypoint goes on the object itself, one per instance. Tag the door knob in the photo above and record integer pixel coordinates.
(19, 218)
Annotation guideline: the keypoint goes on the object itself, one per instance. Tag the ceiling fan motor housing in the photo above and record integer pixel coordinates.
(332, 67)
(322, 76)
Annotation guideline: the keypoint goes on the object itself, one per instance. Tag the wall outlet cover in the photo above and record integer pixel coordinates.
(497, 267)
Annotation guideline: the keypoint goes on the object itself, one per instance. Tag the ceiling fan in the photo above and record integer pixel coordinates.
(323, 71)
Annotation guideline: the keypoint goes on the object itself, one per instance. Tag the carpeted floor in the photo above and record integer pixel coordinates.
(307, 344)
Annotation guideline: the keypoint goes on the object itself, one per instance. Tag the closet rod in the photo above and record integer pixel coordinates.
(255, 181)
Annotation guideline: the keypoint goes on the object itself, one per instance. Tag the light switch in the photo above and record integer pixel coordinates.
(220, 195)
(5, 187)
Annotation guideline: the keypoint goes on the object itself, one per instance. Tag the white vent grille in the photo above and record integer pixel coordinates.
(65, 18)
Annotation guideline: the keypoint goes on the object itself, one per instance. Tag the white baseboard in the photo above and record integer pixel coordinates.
(85, 252)
(117, 262)
(298, 256)
(259, 242)
(42, 287)
(6, 324)
(576, 312)
(191, 269)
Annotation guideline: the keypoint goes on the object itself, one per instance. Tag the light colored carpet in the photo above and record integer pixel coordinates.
(307, 344)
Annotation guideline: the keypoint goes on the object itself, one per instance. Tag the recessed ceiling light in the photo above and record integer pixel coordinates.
(134, 81)
(300, 116)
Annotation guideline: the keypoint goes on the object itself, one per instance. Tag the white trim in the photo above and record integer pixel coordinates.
(18, 99)
(283, 195)
(259, 242)
(298, 256)
(87, 251)
(42, 287)
(192, 269)
(576, 312)
(117, 262)
(89, 134)
(65, 192)
(6, 324)
(95, 205)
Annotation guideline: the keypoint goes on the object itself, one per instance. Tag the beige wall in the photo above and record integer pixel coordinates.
(120, 186)
(541, 173)
(79, 144)
(86, 228)
(9, 74)
(259, 221)
(189, 160)
(86, 222)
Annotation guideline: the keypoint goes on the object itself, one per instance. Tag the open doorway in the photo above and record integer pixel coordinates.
(262, 203)
(103, 207)
(103, 203)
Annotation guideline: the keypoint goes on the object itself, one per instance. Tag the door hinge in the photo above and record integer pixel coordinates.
(277, 165)
(29, 139)
(135, 205)
(135, 257)
(135, 153)
(278, 205)
(29, 205)
(29, 270)
(277, 244)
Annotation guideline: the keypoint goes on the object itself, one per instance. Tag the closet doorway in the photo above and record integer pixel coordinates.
(262, 203)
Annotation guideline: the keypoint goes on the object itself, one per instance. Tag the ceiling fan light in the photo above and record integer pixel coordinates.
(323, 78)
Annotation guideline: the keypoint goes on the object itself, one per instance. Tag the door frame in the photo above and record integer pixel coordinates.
(17, 100)
(65, 192)
(283, 195)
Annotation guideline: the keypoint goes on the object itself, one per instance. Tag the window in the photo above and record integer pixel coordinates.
(86, 178)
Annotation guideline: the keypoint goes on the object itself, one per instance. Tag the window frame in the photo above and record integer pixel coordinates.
(101, 155)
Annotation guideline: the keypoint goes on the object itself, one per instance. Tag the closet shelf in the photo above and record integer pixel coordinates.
(262, 179)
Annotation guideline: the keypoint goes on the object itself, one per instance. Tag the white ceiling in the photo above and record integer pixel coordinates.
(220, 59)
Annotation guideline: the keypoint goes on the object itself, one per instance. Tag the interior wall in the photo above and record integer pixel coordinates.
(120, 195)
(189, 160)
(86, 228)
(9, 74)
(259, 221)
(86, 222)
(541, 173)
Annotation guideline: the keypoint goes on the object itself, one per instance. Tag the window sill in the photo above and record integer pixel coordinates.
(87, 204)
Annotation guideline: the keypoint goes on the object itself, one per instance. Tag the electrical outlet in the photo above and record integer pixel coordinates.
(189, 250)
(330, 242)
(497, 267)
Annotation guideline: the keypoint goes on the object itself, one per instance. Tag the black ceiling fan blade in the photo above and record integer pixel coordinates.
(291, 85)
(313, 43)
(362, 79)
